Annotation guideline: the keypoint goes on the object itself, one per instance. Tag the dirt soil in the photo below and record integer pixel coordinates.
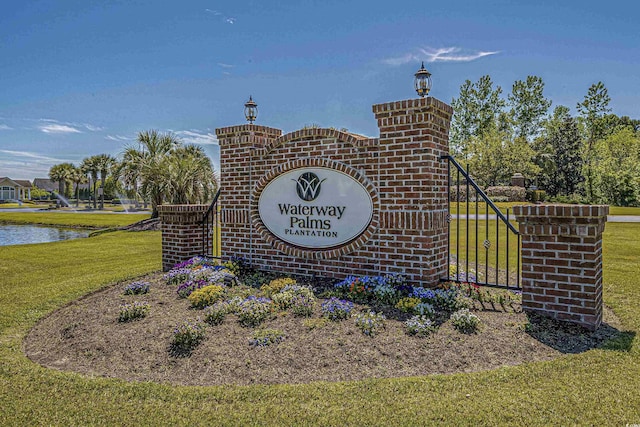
(85, 336)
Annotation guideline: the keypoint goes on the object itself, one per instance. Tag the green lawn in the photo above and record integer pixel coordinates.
(89, 220)
(599, 387)
(503, 206)
(468, 248)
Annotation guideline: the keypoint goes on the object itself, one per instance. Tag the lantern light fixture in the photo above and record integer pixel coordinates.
(422, 81)
(250, 110)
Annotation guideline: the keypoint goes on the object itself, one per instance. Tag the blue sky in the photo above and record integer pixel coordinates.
(83, 77)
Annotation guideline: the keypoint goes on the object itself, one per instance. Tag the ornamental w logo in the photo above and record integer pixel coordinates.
(308, 186)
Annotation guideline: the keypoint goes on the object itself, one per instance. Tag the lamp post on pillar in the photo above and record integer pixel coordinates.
(422, 81)
(251, 110)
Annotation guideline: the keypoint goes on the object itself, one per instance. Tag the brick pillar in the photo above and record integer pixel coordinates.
(414, 134)
(181, 232)
(237, 177)
(562, 261)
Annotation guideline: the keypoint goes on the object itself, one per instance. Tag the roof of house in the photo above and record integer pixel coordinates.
(45, 184)
(23, 182)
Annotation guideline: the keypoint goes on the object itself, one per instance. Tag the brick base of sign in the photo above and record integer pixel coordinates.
(181, 233)
(401, 170)
(562, 261)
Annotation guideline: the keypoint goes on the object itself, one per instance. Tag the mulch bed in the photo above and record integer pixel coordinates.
(85, 336)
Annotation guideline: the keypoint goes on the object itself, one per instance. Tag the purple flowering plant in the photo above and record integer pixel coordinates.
(136, 288)
(336, 309)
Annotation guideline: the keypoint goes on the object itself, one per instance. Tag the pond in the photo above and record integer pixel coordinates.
(24, 234)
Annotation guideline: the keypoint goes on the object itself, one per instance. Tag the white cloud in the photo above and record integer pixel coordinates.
(223, 65)
(444, 54)
(117, 138)
(197, 137)
(5, 127)
(227, 19)
(56, 128)
(27, 164)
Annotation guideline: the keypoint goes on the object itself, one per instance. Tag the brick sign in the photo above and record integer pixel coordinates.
(315, 208)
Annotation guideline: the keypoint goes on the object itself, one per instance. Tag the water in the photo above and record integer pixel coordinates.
(24, 234)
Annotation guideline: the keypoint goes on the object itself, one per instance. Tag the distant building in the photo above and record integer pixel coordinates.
(45, 184)
(14, 189)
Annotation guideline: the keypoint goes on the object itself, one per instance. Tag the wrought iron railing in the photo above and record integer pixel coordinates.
(211, 230)
(489, 263)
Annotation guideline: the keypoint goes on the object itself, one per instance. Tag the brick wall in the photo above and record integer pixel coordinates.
(181, 232)
(562, 261)
(401, 170)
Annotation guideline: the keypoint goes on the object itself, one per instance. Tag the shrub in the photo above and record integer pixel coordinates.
(535, 196)
(266, 337)
(276, 285)
(359, 289)
(136, 288)
(425, 309)
(215, 314)
(234, 304)
(408, 304)
(213, 275)
(370, 323)
(302, 304)
(421, 326)
(336, 309)
(453, 193)
(385, 294)
(188, 334)
(508, 194)
(185, 289)
(206, 296)
(177, 275)
(193, 262)
(446, 299)
(136, 310)
(465, 321)
(282, 300)
(253, 311)
(422, 293)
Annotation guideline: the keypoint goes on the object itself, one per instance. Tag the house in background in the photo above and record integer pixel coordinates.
(14, 189)
(46, 184)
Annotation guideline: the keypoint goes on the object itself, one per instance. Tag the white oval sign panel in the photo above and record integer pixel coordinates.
(315, 208)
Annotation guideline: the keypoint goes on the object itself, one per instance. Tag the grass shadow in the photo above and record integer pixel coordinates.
(571, 338)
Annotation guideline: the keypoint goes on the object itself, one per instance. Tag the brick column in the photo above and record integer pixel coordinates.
(181, 232)
(562, 261)
(414, 134)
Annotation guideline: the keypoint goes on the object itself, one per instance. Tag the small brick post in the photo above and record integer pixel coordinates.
(181, 232)
(562, 261)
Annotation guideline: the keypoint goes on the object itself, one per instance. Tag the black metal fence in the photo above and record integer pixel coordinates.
(484, 246)
(211, 230)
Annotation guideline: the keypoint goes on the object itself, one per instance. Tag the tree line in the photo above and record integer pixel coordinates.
(593, 157)
(158, 169)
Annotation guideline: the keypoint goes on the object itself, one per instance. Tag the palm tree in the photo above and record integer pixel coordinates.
(78, 177)
(150, 162)
(129, 173)
(62, 174)
(192, 179)
(104, 162)
(90, 165)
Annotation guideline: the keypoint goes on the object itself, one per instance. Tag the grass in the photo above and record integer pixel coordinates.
(596, 387)
(503, 206)
(85, 220)
(483, 228)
